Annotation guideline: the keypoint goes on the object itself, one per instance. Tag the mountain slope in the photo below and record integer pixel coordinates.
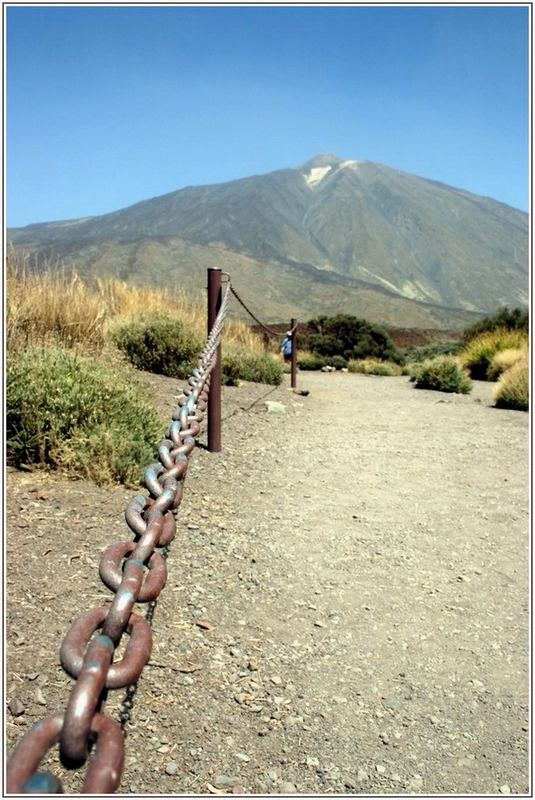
(330, 223)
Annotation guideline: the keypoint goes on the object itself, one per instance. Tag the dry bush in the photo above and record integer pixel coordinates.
(504, 359)
(50, 307)
(512, 390)
(374, 366)
(56, 306)
(478, 354)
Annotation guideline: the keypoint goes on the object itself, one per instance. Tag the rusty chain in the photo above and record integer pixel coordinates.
(89, 658)
(269, 331)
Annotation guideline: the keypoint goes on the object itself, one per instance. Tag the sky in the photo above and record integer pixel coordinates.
(107, 106)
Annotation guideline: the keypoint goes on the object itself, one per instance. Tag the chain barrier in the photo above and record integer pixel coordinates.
(270, 331)
(88, 658)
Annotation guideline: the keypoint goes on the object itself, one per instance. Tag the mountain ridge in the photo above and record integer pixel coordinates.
(360, 222)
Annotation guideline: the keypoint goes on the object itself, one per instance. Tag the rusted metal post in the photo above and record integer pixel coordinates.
(293, 325)
(214, 398)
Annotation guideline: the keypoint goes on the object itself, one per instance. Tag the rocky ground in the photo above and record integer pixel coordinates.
(347, 604)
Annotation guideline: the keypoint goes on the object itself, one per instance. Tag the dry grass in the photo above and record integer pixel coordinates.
(374, 366)
(504, 359)
(51, 307)
(512, 390)
(56, 306)
(479, 353)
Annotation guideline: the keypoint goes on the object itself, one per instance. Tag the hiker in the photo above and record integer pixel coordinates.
(286, 348)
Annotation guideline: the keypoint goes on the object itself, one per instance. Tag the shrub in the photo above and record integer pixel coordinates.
(502, 360)
(159, 343)
(351, 337)
(310, 361)
(370, 366)
(242, 365)
(419, 353)
(478, 354)
(442, 374)
(512, 390)
(74, 413)
(338, 362)
(504, 318)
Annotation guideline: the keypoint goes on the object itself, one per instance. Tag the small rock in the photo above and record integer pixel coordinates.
(291, 720)
(16, 707)
(193, 527)
(225, 781)
(287, 788)
(39, 697)
(243, 757)
(312, 761)
(362, 775)
(505, 789)
(272, 775)
(392, 703)
(339, 699)
(319, 624)
(238, 789)
(171, 768)
(380, 769)
(252, 665)
(163, 749)
(416, 783)
(204, 624)
(276, 680)
(274, 407)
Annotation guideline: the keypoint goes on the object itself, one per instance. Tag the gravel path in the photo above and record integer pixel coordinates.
(347, 604)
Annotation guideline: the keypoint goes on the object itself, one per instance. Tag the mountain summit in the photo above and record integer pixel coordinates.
(328, 160)
(328, 234)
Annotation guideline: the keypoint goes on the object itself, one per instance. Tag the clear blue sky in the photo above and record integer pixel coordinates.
(107, 106)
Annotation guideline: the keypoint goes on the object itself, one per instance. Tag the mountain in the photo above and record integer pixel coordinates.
(332, 235)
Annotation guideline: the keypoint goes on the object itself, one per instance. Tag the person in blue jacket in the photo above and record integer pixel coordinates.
(287, 346)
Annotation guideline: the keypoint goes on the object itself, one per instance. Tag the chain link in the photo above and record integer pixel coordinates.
(89, 658)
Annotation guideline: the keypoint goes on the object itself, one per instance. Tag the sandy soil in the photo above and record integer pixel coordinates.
(359, 563)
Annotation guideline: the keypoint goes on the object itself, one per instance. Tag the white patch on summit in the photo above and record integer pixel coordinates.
(316, 175)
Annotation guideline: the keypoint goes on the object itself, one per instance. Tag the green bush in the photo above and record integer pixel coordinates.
(371, 366)
(352, 338)
(442, 374)
(310, 361)
(478, 355)
(504, 318)
(242, 365)
(419, 353)
(74, 413)
(158, 342)
(512, 390)
(338, 362)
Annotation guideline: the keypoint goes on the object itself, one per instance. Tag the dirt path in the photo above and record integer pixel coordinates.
(359, 564)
